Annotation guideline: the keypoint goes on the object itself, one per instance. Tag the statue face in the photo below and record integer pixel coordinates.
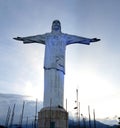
(56, 26)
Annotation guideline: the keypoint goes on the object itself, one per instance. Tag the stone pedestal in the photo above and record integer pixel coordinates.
(53, 117)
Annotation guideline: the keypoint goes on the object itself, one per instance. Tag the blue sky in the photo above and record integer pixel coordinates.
(93, 69)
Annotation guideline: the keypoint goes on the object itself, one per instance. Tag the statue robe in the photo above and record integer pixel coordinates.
(54, 63)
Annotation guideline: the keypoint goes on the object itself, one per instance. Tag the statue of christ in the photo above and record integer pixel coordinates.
(54, 61)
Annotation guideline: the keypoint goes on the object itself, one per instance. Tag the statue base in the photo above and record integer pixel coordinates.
(53, 117)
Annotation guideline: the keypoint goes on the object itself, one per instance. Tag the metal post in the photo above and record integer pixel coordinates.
(50, 111)
(35, 121)
(66, 104)
(7, 117)
(84, 123)
(94, 118)
(89, 117)
(66, 114)
(21, 117)
(12, 117)
(27, 122)
(79, 114)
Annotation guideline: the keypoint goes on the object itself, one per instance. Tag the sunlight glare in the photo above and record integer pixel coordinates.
(31, 90)
(94, 90)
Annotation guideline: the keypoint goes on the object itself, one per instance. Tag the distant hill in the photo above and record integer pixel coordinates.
(7, 100)
(72, 124)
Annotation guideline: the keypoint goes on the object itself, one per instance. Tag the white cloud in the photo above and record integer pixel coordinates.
(7, 100)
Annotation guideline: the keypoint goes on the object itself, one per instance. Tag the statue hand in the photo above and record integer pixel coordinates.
(18, 38)
(94, 40)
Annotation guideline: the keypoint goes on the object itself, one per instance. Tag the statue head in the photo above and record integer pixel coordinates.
(56, 26)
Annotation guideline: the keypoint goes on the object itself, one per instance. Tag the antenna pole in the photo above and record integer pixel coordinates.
(89, 117)
(94, 118)
(12, 117)
(78, 117)
(27, 122)
(21, 117)
(8, 117)
(35, 122)
(79, 114)
(66, 104)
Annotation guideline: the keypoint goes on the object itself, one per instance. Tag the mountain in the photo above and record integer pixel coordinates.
(73, 124)
(8, 100)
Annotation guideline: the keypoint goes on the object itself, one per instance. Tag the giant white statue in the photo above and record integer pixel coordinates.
(54, 62)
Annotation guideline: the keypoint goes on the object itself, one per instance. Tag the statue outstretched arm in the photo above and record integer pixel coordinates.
(72, 39)
(32, 39)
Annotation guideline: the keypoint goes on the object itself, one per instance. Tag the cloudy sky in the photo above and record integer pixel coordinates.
(9, 100)
(93, 69)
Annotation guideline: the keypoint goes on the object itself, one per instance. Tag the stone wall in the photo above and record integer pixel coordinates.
(53, 117)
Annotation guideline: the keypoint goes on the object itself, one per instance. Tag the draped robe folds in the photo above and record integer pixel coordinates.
(54, 63)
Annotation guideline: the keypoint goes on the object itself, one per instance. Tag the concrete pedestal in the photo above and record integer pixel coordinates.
(52, 118)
